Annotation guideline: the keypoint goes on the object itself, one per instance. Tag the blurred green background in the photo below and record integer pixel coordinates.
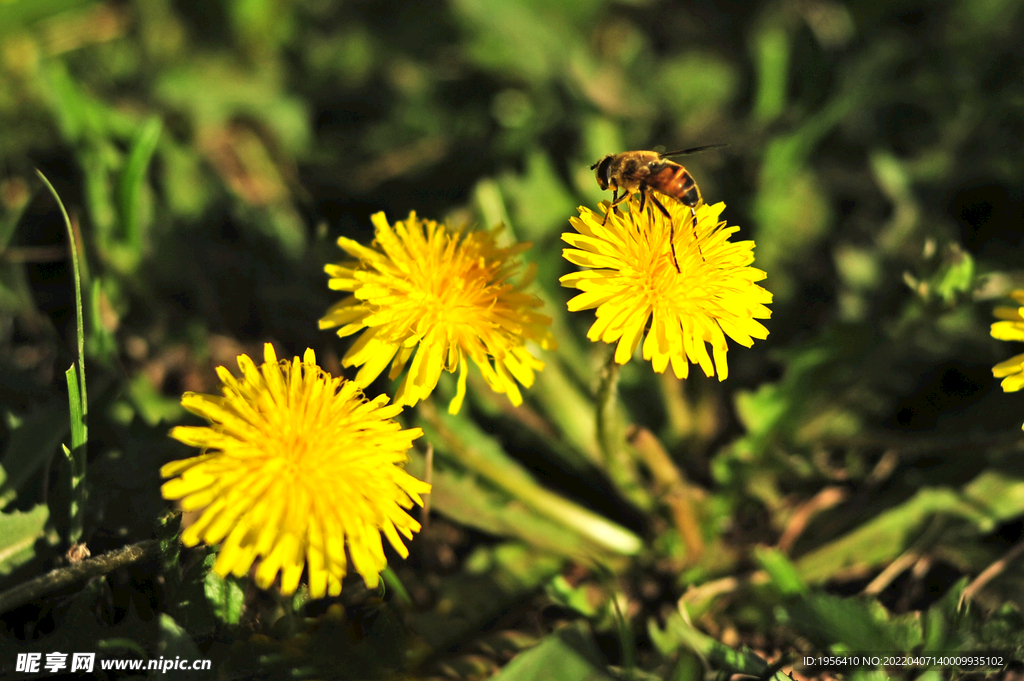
(853, 476)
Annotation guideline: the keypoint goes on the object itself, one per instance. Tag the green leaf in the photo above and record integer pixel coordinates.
(539, 197)
(169, 536)
(783, 573)
(680, 636)
(98, 192)
(778, 410)
(392, 581)
(879, 540)
(174, 643)
(989, 499)
(79, 436)
(568, 654)
(79, 115)
(15, 16)
(471, 502)
(697, 86)
(118, 644)
(18, 534)
(151, 404)
(187, 189)
(955, 279)
(497, 32)
(225, 596)
(466, 443)
(772, 55)
(132, 180)
(30, 446)
(189, 603)
(101, 342)
(578, 598)
(213, 91)
(493, 580)
(856, 624)
(997, 497)
(75, 409)
(78, 400)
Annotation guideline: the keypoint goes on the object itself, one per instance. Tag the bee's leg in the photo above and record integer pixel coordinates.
(693, 212)
(671, 231)
(644, 191)
(615, 202)
(643, 201)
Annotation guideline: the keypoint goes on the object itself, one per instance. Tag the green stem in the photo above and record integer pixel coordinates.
(506, 474)
(54, 580)
(608, 440)
(619, 462)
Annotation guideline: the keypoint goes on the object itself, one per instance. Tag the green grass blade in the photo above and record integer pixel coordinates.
(78, 403)
(78, 433)
(76, 458)
(392, 582)
(79, 319)
(131, 181)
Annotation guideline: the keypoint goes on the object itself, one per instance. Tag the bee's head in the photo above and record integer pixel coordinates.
(604, 168)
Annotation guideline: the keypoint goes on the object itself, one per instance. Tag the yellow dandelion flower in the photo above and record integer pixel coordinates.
(633, 280)
(295, 465)
(1010, 329)
(447, 292)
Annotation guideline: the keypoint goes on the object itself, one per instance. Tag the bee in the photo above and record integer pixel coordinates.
(651, 173)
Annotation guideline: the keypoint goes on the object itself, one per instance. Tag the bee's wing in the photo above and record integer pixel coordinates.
(694, 150)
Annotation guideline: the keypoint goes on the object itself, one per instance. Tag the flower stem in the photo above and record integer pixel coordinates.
(619, 461)
(63, 577)
(607, 389)
(480, 454)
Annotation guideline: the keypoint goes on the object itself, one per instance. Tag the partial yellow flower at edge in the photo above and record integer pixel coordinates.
(1012, 326)
(295, 466)
(1010, 329)
(1012, 373)
(632, 281)
(440, 297)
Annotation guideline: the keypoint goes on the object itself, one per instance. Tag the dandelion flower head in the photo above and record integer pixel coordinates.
(440, 297)
(633, 282)
(295, 465)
